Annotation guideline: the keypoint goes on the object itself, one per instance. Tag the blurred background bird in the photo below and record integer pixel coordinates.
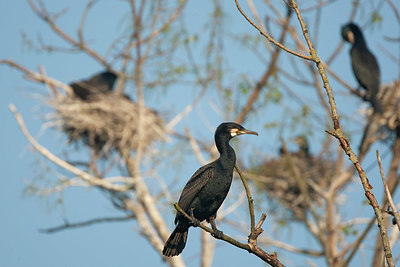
(364, 64)
(101, 83)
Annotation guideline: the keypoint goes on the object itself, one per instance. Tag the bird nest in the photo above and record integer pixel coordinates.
(389, 95)
(108, 121)
(293, 180)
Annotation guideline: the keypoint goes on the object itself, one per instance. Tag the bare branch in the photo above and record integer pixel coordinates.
(67, 225)
(252, 236)
(271, 259)
(65, 165)
(263, 80)
(269, 38)
(44, 15)
(37, 76)
(387, 192)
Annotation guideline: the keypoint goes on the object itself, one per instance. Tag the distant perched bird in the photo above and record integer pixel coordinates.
(206, 189)
(304, 147)
(364, 63)
(101, 83)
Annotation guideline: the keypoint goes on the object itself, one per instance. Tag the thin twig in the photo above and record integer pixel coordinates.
(195, 147)
(271, 69)
(356, 244)
(279, 244)
(68, 225)
(269, 38)
(83, 20)
(387, 192)
(37, 76)
(251, 204)
(44, 15)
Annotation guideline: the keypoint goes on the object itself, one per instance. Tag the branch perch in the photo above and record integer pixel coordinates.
(271, 259)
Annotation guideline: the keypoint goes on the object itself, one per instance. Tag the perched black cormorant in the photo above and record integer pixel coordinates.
(364, 63)
(207, 188)
(101, 83)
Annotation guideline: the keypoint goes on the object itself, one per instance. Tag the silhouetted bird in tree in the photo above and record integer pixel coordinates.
(364, 63)
(206, 190)
(101, 83)
(304, 147)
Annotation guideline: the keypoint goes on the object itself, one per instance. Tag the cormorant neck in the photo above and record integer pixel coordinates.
(225, 150)
(359, 40)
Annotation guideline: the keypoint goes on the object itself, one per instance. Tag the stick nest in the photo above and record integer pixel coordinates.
(293, 178)
(108, 121)
(389, 95)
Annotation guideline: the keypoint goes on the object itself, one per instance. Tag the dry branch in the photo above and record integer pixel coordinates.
(103, 183)
(269, 38)
(67, 225)
(388, 194)
(271, 259)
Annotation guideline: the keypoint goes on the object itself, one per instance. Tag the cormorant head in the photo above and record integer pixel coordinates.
(108, 77)
(304, 147)
(232, 129)
(352, 33)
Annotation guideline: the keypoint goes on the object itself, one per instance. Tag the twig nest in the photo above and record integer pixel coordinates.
(293, 178)
(389, 96)
(108, 121)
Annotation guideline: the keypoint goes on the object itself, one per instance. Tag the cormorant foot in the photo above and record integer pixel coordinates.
(217, 234)
(195, 222)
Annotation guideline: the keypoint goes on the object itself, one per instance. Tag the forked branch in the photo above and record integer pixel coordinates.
(271, 259)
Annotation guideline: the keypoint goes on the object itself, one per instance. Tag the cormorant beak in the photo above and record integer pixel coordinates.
(244, 131)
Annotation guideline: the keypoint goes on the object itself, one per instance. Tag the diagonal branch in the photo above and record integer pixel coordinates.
(37, 76)
(91, 180)
(44, 15)
(251, 205)
(271, 259)
(394, 211)
(271, 69)
(269, 38)
(68, 225)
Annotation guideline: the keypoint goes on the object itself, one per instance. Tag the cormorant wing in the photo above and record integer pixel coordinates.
(366, 69)
(83, 89)
(196, 183)
(102, 82)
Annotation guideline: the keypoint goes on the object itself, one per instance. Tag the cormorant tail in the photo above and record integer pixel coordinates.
(176, 241)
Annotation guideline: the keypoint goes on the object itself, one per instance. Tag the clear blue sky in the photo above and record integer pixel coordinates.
(116, 244)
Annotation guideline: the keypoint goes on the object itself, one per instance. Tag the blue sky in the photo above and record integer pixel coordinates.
(119, 244)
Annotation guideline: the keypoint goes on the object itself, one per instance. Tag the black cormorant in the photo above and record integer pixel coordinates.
(364, 63)
(101, 83)
(207, 188)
